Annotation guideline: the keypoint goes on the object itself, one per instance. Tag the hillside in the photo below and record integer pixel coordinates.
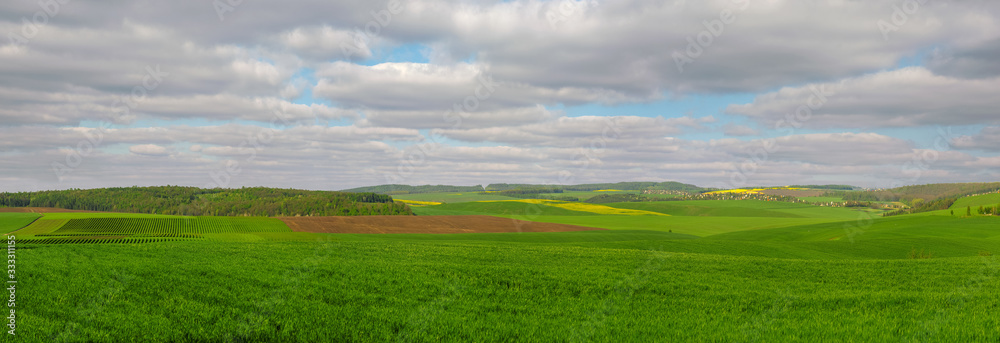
(407, 189)
(624, 186)
(929, 192)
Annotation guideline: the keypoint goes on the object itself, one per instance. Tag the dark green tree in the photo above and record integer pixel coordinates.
(257, 201)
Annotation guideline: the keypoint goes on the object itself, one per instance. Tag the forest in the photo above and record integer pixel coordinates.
(176, 200)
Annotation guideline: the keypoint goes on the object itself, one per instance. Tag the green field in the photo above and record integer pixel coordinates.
(94, 228)
(740, 208)
(13, 221)
(962, 204)
(451, 198)
(492, 291)
(699, 218)
(822, 199)
(734, 271)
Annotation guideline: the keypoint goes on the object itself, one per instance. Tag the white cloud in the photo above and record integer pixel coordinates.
(988, 140)
(739, 130)
(223, 81)
(149, 150)
(907, 97)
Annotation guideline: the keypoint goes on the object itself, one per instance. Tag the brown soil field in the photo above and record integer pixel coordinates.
(422, 224)
(38, 210)
(794, 192)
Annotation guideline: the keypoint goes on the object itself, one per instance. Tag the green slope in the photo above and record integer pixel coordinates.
(440, 291)
(13, 221)
(879, 228)
(697, 226)
(962, 204)
(740, 208)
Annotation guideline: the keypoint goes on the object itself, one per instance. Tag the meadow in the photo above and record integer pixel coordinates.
(343, 290)
(13, 221)
(706, 270)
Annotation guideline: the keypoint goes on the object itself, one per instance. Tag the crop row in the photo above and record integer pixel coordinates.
(162, 235)
(148, 226)
(99, 240)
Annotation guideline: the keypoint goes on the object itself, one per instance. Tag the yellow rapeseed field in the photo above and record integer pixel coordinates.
(738, 191)
(750, 191)
(418, 203)
(592, 208)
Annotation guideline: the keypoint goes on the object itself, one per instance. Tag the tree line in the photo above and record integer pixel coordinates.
(924, 206)
(176, 200)
(407, 189)
(625, 186)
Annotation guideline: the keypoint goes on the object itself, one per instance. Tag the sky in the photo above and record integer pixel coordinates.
(331, 95)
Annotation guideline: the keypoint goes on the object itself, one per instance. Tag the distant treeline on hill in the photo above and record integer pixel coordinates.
(920, 193)
(177, 200)
(624, 186)
(920, 206)
(407, 189)
(541, 192)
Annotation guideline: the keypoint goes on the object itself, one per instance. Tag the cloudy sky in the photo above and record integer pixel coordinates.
(339, 94)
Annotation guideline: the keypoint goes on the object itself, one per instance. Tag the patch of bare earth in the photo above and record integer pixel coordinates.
(422, 224)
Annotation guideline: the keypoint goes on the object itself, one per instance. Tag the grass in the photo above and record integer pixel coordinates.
(501, 291)
(822, 199)
(699, 218)
(696, 226)
(42, 226)
(740, 208)
(711, 208)
(13, 221)
(991, 200)
(577, 237)
(705, 208)
(583, 196)
(897, 227)
(91, 228)
(588, 208)
(171, 225)
(731, 270)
